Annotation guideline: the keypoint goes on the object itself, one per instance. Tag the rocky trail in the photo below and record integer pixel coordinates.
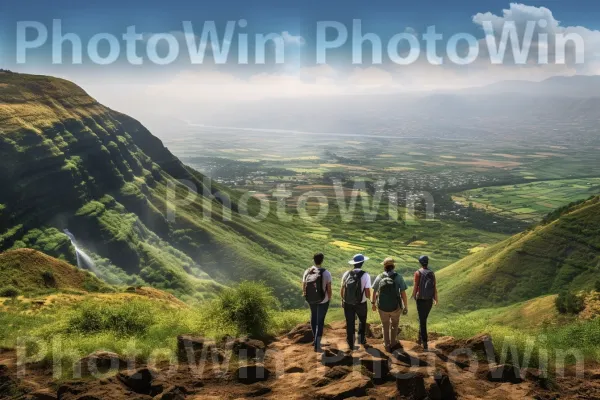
(288, 368)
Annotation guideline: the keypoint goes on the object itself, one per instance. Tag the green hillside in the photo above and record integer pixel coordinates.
(32, 272)
(67, 162)
(562, 254)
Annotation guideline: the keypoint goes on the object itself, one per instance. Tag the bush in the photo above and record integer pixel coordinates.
(128, 319)
(597, 286)
(49, 279)
(10, 291)
(246, 307)
(569, 303)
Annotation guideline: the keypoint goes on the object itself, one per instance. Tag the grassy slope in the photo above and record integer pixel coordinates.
(69, 162)
(31, 271)
(545, 260)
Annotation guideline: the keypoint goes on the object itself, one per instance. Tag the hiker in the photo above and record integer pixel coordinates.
(316, 287)
(426, 295)
(356, 289)
(389, 297)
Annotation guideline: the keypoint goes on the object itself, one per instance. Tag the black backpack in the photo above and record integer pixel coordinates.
(314, 293)
(353, 291)
(388, 294)
(426, 284)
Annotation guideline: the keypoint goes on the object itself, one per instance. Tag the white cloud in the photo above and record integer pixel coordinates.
(290, 39)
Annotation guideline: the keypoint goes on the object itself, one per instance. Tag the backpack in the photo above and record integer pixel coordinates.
(314, 293)
(388, 294)
(426, 284)
(353, 291)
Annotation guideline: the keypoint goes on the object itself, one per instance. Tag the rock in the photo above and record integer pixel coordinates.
(445, 387)
(374, 331)
(252, 374)
(142, 381)
(258, 390)
(353, 385)
(482, 344)
(378, 366)
(301, 334)
(188, 345)
(294, 369)
(247, 348)
(174, 393)
(331, 358)
(538, 377)
(411, 386)
(70, 388)
(504, 373)
(100, 362)
(44, 394)
(337, 372)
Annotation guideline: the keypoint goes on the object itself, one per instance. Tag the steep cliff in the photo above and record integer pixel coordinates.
(67, 162)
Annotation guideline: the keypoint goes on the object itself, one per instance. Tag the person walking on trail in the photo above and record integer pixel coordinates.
(356, 289)
(426, 295)
(389, 297)
(316, 287)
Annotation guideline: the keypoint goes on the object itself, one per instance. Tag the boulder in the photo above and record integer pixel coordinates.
(250, 374)
(44, 394)
(374, 331)
(538, 377)
(258, 391)
(101, 362)
(187, 345)
(352, 386)
(337, 372)
(444, 386)
(301, 334)
(331, 358)
(294, 369)
(142, 381)
(173, 393)
(504, 373)
(378, 366)
(411, 386)
(70, 388)
(245, 348)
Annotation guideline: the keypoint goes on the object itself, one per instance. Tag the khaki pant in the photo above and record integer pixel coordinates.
(390, 321)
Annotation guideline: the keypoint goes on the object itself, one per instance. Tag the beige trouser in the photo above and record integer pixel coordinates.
(390, 321)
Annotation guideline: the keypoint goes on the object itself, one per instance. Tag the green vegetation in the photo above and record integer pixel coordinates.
(569, 303)
(128, 319)
(9, 291)
(560, 256)
(85, 323)
(245, 308)
(33, 273)
(531, 201)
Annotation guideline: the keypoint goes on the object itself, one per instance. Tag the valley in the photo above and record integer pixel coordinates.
(110, 234)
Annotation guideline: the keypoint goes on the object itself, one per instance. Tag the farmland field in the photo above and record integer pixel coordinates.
(530, 201)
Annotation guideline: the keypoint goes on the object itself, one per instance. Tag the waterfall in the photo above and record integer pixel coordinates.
(83, 260)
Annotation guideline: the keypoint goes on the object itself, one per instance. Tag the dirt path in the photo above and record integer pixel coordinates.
(288, 368)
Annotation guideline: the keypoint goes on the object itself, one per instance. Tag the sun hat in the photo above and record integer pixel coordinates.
(388, 261)
(357, 259)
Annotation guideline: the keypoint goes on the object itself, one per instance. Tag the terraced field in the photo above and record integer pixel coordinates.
(529, 202)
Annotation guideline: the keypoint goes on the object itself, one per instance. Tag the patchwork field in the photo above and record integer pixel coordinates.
(531, 201)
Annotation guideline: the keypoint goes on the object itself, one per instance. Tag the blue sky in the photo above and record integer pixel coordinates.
(298, 19)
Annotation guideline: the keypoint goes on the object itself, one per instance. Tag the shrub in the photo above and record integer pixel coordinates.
(49, 279)
(569, 303)
(597, 286)
(246, 307)
(128, 319)
(10, 291)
